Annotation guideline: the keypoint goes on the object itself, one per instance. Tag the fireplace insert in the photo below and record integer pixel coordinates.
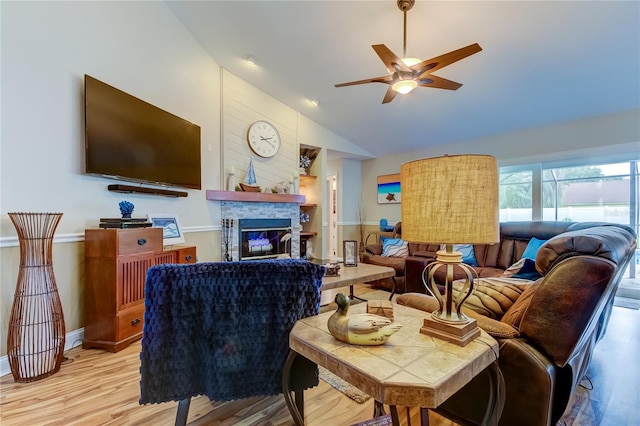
(264, 238)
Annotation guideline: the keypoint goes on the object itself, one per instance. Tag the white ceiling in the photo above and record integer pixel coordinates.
(543, 62)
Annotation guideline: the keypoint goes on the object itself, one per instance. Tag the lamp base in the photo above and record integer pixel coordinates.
(460, 334)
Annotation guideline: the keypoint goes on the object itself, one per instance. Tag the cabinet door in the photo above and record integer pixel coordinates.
(167, 256)
(132, 274)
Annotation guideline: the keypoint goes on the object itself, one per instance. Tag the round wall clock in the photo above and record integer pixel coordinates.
(263, 139)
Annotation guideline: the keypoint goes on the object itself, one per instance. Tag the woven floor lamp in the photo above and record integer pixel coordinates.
(450, 200)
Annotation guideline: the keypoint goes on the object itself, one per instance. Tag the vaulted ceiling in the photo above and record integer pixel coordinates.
(542, 63)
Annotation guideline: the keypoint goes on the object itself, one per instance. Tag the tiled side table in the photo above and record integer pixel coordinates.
(410, 369)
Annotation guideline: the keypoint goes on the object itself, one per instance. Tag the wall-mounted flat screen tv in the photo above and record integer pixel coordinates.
(129, 139)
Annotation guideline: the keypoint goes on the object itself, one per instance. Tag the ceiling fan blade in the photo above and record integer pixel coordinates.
(391, 61)
(384, 79)
(434, 64)
(388, 97)
(438, 83)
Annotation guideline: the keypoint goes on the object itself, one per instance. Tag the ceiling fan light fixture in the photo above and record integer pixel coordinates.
(406, 73)
(404, 86)
(410, 61)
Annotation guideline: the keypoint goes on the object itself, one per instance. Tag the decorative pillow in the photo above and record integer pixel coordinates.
(395, 247)
(468, 256)
(532, 248)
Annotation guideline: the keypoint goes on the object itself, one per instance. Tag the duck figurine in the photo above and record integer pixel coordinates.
(359, 329)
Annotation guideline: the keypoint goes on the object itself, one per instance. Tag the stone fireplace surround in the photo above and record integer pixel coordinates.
(243, 205)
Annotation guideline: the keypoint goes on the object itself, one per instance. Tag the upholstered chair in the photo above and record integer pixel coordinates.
(221, 329)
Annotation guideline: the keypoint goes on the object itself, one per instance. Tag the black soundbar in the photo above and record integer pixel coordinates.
(128, 189)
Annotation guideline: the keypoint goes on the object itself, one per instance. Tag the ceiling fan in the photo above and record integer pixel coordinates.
(405, 74)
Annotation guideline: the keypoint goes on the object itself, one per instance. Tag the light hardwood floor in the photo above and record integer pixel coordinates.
(95, 387)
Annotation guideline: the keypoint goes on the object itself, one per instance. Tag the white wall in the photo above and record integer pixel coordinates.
(138, 47)
(243, 105)
(612, 136)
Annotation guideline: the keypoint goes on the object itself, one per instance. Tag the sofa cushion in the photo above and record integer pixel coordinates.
(514, 314)
(395, 247)
(423, 249)
(603, 241)
(397, 263)
(374, 248)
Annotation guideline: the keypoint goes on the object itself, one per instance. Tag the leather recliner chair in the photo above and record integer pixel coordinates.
(548, 335)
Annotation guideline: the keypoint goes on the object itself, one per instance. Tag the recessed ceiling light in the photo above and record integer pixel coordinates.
(250, 59)
(314, 102)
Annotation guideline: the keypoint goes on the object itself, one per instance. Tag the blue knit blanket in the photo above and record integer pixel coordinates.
(222, 329)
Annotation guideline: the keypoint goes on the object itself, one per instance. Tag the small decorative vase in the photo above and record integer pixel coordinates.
(126, 208)
(36, 336)
(303, 171)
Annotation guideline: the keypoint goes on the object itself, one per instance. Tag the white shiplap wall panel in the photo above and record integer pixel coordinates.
(242, 105)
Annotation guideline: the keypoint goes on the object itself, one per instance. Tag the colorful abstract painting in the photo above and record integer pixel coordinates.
(389, 189)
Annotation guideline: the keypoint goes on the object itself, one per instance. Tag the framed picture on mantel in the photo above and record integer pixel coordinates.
(170, 224)
(389, 189)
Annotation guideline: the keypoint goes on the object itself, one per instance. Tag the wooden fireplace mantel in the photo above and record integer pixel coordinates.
(254, 197)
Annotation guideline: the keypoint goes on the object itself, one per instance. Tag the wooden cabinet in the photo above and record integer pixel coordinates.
(116, 263)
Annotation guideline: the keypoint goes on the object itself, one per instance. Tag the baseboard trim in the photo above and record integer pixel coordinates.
(72, 339)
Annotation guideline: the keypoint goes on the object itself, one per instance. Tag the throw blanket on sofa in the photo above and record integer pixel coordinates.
(222, 329)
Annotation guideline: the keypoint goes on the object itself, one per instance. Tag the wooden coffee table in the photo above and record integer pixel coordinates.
(410, 369)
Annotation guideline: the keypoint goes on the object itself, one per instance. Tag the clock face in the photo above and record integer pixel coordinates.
(263, 139)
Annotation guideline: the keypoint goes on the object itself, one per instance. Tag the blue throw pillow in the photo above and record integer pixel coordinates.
(528, 271)
(395, 247)
(532, 248)
(468, 256)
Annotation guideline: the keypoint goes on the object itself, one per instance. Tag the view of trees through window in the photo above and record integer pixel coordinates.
(581, 193)
(585, 193)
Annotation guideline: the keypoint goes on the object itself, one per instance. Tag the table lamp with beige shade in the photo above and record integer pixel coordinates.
(450, 200)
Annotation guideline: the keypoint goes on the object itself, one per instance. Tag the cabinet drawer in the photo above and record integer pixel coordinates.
(139, 240)
(187, 254)
(130, 322)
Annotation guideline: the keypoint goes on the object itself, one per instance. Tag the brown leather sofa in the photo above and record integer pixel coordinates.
(492, 259)
(548, 335)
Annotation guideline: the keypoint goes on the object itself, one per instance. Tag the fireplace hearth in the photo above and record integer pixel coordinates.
(264, 238)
